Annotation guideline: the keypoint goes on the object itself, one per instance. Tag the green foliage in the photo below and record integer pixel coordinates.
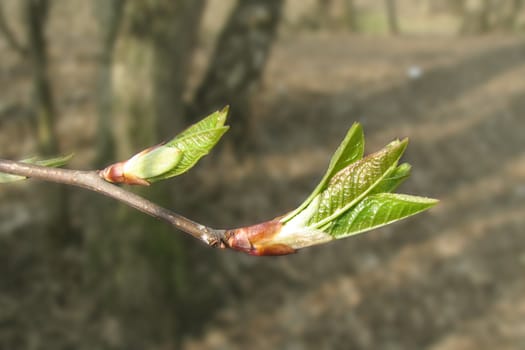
(171, 158)
(353, 196)
(195, 142)
(393, 179)
(51, 162)
(349, 151)
(354, 182)
(378, 210)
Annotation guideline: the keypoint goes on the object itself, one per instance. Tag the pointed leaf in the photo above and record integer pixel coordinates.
(350, 150)
(354, 182)
(378, 210)
(171, 158)
(193, 146)
(195, 142)
(214, 120)
(393, 179)
(51, 162)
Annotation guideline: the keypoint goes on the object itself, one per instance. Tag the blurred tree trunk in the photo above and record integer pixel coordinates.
(151, 62)
(323, 13)
(391, 11)
(482, 16)
(237, 64)
(109, 15)
(35, 16)
(455, 7)
(475, 16)
(508, 15)
(152, 59)
(350, 15)
(10, 37)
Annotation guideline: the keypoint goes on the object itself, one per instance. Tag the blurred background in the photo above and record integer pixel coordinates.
(105, 78)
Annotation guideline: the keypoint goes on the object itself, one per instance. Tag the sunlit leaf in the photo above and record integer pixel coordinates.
(354, 182)
(393, 179)
(196, 141)
(353, 197)
(193, 147)
(171, 158)
(214, 120)
(378, 210)
(350, 150)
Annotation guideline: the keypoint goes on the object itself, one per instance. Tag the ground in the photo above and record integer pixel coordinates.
(451, 278)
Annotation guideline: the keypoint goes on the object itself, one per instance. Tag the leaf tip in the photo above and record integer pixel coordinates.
(431, 201)
(222, 115)
(397, 147)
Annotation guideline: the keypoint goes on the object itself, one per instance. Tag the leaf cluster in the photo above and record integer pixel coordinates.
(354, 195)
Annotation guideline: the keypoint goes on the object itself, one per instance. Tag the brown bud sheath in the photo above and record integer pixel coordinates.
(257, 239)
(115, 173)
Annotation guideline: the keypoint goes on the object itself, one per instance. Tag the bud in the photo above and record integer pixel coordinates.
(353, 197)
(170, 158)
(139, 169)
(273, 238)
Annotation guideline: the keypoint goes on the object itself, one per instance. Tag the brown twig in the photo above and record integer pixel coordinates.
(91, 180)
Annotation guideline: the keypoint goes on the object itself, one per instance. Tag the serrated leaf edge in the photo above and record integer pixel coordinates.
(397, 143)
(355, 129)
(416, 199)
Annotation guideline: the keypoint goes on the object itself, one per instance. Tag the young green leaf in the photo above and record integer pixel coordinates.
(352, 197)
(354, 182)
(51, 162)
(349, 151)
(378, 210)
(193, 147)
(393, 179)
(171, 158)
(6, 178)
(196, 141)
(214, 120)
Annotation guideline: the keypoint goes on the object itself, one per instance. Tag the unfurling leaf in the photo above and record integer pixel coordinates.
(196, 142)
(392, 181)
(51, 162)
(153, 162)
(350, 150)
(352, 197)
(354, 182)
(378, 210)
(171, 158)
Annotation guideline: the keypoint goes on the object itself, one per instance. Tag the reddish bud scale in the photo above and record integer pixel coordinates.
(115, 173)
(257, 239)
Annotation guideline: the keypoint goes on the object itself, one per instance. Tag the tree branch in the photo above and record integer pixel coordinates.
(91, 180)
